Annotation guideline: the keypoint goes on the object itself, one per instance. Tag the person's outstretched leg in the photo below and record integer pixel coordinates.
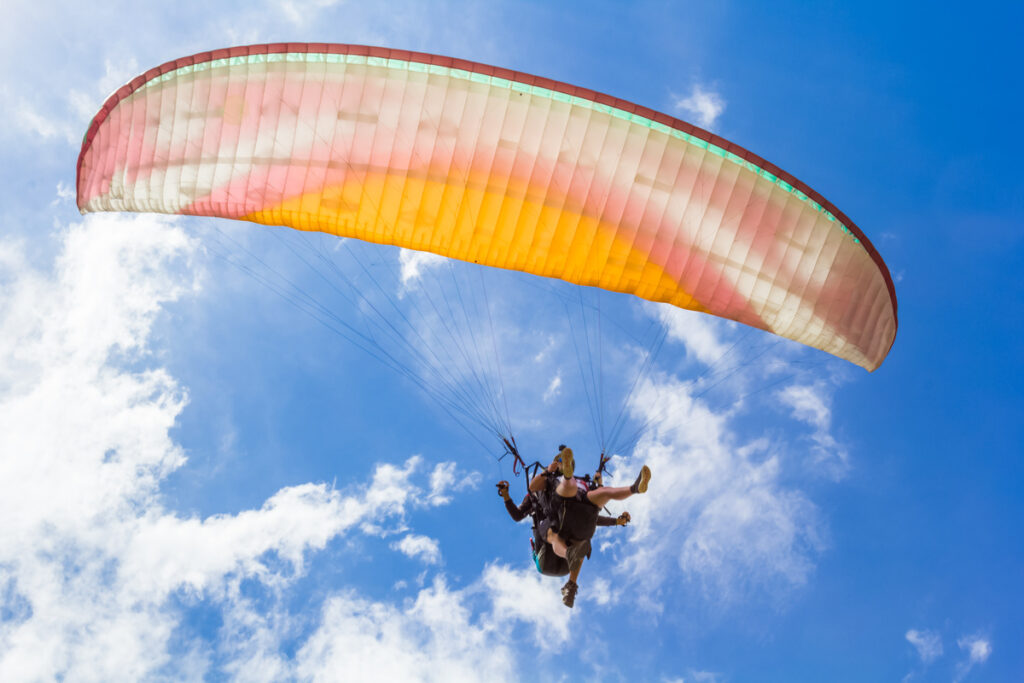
(601, 496)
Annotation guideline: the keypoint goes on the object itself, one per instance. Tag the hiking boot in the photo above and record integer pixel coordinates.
(640, 485)
(569, 593)
(568, 465)
(577, 553)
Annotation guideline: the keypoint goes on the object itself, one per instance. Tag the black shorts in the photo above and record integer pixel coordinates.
(577, 519)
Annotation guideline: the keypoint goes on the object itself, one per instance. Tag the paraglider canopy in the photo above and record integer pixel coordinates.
(494, 167)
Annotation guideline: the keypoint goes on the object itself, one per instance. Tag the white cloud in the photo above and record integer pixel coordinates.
(303, 12)
(704, 676)
(694, 675)
(808, 404)
(392, 491)
(45, 114)
(551, 346)
(978, 649)
(84, 446)
(554, 388)
(65, 193)
(812, 404)
(526, 596)
(699, 332)
(599, 590)
(435, 638)
(702, 106)
(446, 479)
(717, 508)
(167, 553)
(927, 643)
(30, 118)
(91, 562)
(442, 480)
(85, 104)
(414, 263)
(423, 547)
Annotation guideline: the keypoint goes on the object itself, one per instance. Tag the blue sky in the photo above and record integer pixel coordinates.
(199, 481)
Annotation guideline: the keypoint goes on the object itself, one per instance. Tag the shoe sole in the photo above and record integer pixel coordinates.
(568, 466)
(645, 476)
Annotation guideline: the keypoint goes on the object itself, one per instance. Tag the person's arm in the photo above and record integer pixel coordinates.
(540, 480)
(516, 513)
(513, 511)
(621, 520)
(522, 511)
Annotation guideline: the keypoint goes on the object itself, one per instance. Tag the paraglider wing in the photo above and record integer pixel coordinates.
(492, 167)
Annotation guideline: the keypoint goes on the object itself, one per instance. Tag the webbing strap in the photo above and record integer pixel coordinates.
(510, 448)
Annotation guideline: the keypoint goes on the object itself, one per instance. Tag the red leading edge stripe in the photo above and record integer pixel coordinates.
(519, 77)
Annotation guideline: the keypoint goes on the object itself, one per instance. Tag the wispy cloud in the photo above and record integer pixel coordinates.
(702, 106)
(719, 510)
(705, 676)
(695, 675)
(56, 115)
(811, 403)
(414, 263)
(30, 118)
(85, 103)
(444, 480)
(927, 643)
(303, 12)
(978, 649)
(554, 388)
(697, 331)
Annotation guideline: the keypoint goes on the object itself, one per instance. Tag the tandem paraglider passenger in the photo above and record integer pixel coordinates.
(566, 513)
